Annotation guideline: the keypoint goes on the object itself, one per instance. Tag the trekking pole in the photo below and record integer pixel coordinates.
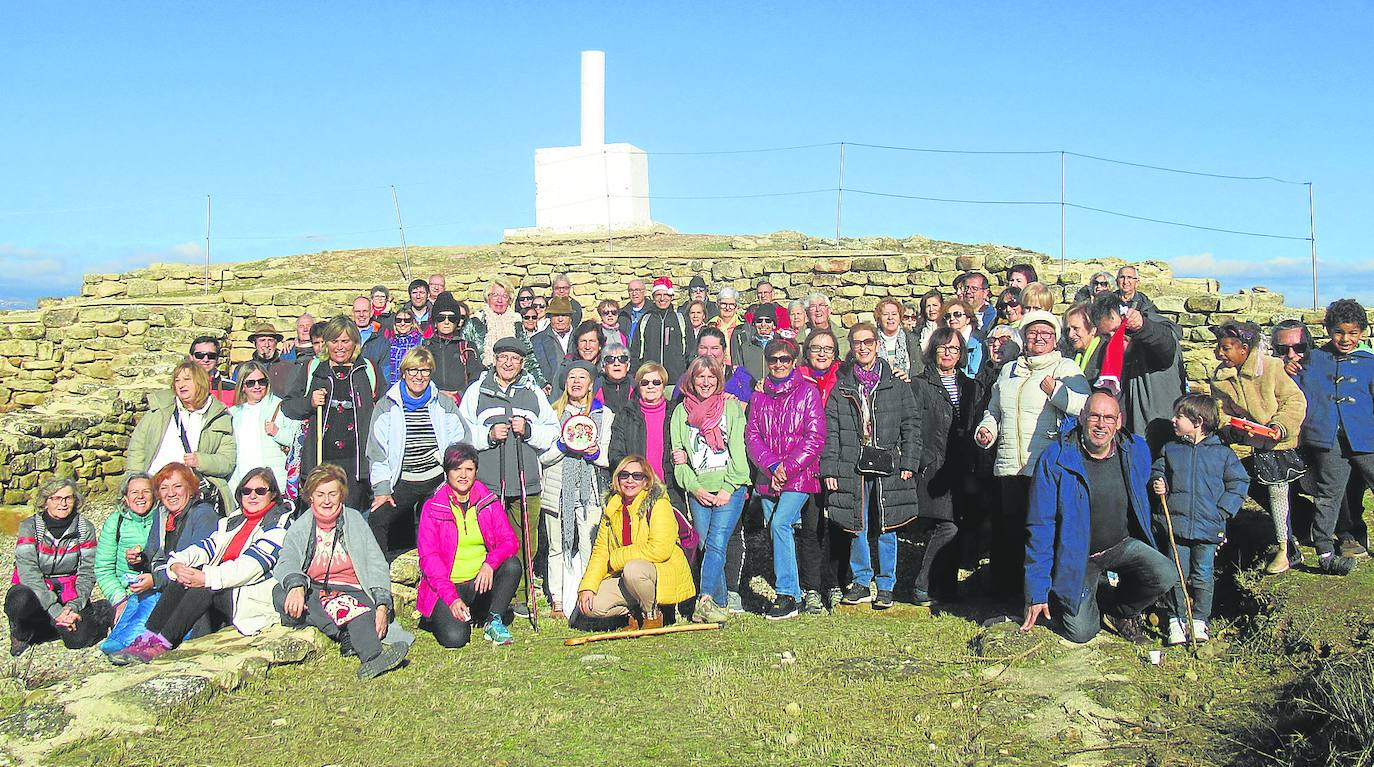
(525, 525)
(319, 435)
(1182, 579)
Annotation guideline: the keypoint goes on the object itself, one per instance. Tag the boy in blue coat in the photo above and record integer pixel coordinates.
(1206, 485)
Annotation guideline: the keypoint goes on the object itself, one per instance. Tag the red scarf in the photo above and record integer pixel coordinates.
(824, 381)
(706, 416)
(245, 531)
(625, 525)
(1113, 359)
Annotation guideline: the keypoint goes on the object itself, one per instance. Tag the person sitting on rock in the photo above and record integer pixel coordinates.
(117, 555)
(637, 564)
(54, 574)
(1089, 513)
(331, 575)
(227, 574)
(468, 565)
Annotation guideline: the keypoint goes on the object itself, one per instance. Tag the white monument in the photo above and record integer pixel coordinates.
(594, 186)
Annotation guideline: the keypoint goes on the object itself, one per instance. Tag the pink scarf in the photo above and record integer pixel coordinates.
(706, 416)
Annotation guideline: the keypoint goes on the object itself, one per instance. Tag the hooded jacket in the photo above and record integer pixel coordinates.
(386, 442)
(786, 428)
(653, 538)
(1023, 421)
(437, 542)
(1260, 391)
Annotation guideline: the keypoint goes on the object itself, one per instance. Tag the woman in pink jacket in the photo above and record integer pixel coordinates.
(784, 436)
(468, 568)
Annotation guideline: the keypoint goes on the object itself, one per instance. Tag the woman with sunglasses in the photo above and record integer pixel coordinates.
(457, 363)
(643, 428)
(821, 568)
(637, 565)
(711, 464)
(411, 428)
(1251, 385)
(1009, 309)
(262, 435)
(226, 576)
(404, 334)
(186, 426)
(897, 345)
(608, 311)
(616, 384)
(784, 434)
(524, 299)
(959, 315)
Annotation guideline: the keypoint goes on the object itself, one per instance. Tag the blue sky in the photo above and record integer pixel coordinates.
(119, 119)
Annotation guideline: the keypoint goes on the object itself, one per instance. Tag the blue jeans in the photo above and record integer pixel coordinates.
(1197, 558)
(1146, 575)
(783, 515)
(715, 524)
(861, 560)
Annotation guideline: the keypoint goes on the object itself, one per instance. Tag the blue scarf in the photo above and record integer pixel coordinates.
(415, 403)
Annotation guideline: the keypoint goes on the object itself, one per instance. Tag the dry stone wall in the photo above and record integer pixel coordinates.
(75, 371)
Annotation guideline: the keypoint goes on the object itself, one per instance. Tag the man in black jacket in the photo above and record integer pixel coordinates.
(662, 333)
(1149, 347)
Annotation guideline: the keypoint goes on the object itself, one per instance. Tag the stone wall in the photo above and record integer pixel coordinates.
(74, 372)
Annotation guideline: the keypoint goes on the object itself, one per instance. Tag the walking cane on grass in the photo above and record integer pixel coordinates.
(525, 524)
(1182, 579)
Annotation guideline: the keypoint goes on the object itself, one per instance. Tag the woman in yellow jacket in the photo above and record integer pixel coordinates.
(636, 563)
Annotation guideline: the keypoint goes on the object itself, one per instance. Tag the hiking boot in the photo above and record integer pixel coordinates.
(391, 656)
(1294, 552)
(812, 604)
(783, 607)
(835, 596)
(883, 601)
(707, 611)
(346, 645)
(1200, 630)
(1350, 547)
(18, 646)
(734, 603)
(856, 595)
(497, 633)
(920, 598)
(1130, 628)
(1176, 635)
(1335, 564)
(1279, 564)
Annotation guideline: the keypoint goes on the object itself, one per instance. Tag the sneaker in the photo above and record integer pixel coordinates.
(346, 645)
(812, 604)
(1177, 635)
(521, 610)
(783, 607)
(145, 649)
(1294, 552)
(883, 601)
(920, 598)
(856, 595)
(1131, 629)
(18, 646)
(835, 596)
(1200, 630)
(734, 603)
(497, 633)
(1335, 564)
(390, 657)
(707, 611)
(1350, 547)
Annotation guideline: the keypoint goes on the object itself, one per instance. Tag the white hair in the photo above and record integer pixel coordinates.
(728, 292)
(817, 298)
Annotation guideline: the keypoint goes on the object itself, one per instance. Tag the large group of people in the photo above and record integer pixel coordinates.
(603, 461)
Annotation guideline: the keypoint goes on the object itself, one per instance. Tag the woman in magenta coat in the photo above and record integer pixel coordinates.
(468, 568)
(784, 436)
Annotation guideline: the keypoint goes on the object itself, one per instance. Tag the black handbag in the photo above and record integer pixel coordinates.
(876, 461)
(1279, 467)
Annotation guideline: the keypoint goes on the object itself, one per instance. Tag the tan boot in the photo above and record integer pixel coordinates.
(654, 621)
(1279, 564)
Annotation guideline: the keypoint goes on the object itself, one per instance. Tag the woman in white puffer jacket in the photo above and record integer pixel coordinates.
(1032, 395)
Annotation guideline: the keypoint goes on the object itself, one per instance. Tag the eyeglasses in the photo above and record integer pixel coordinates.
(1107, 419)
(404, 320)
(63, 499)
(618, 359)
(728, 304)
(651, 382)
(967, 288)
(637, 476)
(780, 359)
(1039, 334)
(418, 372)
(205, 355)
(1282, 350)
(1010, 303)
(254, 383)
(259, 491)
(950, 351)
(864, 342)
(1129, 278)
(821, 349)
(909, 317)
(955, 315)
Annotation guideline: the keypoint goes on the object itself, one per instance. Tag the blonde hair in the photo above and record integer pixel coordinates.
(650, 483)
(878, 310)
(502, 284)
(250, 367)
(321, 475)
(342, 326)
(1037, 296)
(200, 382)
(704, 363)
(652, 367)
(419, 357)
(563, 401)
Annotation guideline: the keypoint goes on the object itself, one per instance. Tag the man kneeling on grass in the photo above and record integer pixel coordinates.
(1089, 513)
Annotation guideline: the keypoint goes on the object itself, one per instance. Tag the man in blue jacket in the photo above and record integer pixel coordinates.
(1089, 513)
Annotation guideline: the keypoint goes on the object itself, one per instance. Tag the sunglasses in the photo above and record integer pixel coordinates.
(405, 320)
(247, 491)
(780, 359)
(909, 317)
(864, 342)
(618, 358)
(651, 382)
(446, 317)
(530, 316)
(1282, 350)
(609, 312)
(253, 383)
(539, 305)
(955, 315)
(1102, 283)
(1010, 303)
(637, 476)
(205, 355)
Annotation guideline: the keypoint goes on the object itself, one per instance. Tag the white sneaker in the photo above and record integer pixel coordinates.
(1200, 630)
(1177, 636)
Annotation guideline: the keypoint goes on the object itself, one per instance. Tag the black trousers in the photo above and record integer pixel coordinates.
(453, 633)
(938, 557)
(362, 630)
(394, 524)
(814, 569)
(180, 607)
(29, 622)
(1007, 556)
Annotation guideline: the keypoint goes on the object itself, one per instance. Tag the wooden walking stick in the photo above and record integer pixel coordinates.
(636, 634)
(1182, 579)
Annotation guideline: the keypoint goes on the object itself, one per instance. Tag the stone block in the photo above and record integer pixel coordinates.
(112, 331)
(28, 331)
(868, 264)
(18, 348)
(29, 400)
(134, 313)
(138, 288)
(99, 314)
(726, 271)
(137, 328)
(1202, 304)
(79, 332)
(1234, 303)
(830, 265)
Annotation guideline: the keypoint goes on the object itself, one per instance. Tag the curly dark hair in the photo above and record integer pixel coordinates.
(1345, 310)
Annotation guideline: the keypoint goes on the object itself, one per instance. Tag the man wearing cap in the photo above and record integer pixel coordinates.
(764, 293)
(381, 302)
(696, 291)
(633, 311)
(510, 423)
(551, 345)
(562, 288)
(662, 333)
(264, 340)
(747, 342)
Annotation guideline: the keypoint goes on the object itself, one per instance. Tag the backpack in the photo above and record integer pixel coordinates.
(687, 536)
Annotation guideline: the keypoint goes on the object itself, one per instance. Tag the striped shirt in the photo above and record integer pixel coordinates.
(951, 384)
(421, 459)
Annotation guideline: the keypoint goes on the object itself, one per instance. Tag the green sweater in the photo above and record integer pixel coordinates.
(735, 473)
(121, 531)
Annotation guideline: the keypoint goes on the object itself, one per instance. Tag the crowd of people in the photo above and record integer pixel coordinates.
(601, 461)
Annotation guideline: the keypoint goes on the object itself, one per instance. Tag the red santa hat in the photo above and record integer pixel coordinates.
(663, 284)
